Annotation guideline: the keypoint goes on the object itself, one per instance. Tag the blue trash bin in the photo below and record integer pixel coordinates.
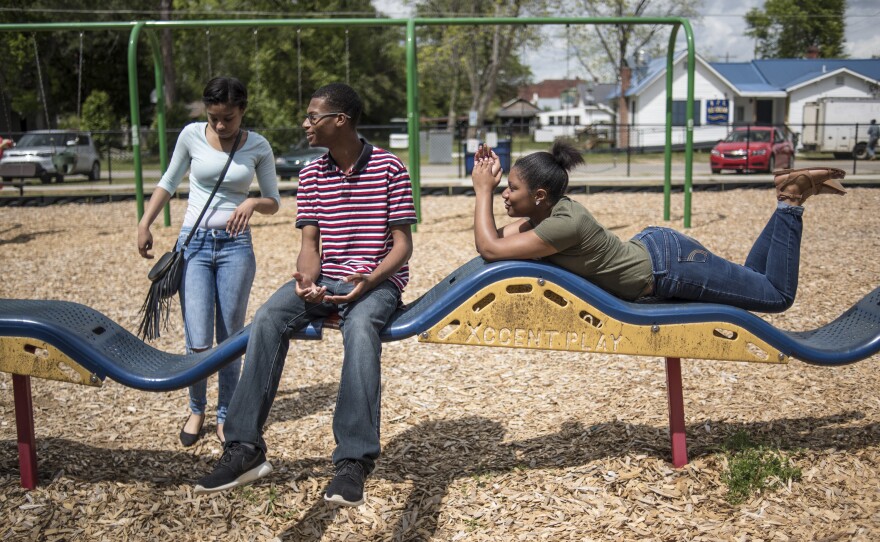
(502, 150)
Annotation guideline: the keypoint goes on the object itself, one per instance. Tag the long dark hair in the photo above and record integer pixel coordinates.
(225, 90)
(549, 170)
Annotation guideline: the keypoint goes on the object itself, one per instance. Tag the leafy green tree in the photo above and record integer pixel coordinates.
(267, 59)
(97, 116)
(97, 112)
(467, 68)
(789, 28)
(103, 67)
(283, 66)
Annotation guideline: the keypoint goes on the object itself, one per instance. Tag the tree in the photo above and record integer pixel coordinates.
(266, 59)
(608, 51)
(472, 63)
(283, 66)
(789, 28)
(104, 65)
(97, 116)
(603, 50)
(167, 46)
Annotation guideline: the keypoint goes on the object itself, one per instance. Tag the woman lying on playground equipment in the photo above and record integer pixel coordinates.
(658, 263)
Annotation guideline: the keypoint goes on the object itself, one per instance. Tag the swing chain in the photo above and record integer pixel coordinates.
(256, 54)
(299, 81)
(567, 51)
(3, 80)
(40, 78)
(79, 85)
(208, 43)
(347, 59)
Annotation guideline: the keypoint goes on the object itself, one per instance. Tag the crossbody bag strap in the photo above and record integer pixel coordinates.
(214, 191)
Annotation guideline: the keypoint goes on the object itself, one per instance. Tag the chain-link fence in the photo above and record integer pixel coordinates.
(612, 152)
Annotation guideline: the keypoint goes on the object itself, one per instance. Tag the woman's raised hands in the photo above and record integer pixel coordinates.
(485, 153)
(487, 169)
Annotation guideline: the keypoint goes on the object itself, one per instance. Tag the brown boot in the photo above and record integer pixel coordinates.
(807, 182)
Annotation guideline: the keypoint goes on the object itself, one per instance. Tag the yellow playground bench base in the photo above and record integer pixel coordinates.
(512, 304)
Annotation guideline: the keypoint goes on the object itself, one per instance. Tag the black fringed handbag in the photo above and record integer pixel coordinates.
(166, 274)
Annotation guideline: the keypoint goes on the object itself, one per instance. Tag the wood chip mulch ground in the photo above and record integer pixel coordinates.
(479, 443)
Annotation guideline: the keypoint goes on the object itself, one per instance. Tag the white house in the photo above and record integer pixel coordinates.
(569, 121)
(758, 92)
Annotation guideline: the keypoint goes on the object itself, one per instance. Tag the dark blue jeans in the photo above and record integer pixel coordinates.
(357, 413)
(685, 269)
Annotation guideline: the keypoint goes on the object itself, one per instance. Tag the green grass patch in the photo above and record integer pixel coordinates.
(753, 468)
(482, 478)
(473, 524)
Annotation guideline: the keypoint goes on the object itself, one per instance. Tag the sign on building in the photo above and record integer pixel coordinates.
(717, 111)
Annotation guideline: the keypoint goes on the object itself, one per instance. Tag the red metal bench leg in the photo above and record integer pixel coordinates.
(24, 424)
(676, 412)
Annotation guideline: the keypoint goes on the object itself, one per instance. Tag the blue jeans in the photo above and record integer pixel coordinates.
(685, 269)
(357, 413)
(217, 279)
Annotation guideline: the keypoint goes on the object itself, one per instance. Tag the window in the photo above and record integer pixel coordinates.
(679, 112)
(839, 80)
(550, 120)
(577, 120)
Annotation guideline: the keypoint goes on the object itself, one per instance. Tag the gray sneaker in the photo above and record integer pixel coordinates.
(240, 465)
(347, 487)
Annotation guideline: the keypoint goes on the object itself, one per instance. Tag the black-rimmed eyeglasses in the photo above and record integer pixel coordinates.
(315, 119)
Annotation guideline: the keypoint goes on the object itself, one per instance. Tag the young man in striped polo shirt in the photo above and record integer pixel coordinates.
(355, 209)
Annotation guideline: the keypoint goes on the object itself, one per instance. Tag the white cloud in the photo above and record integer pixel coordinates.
(721, 39)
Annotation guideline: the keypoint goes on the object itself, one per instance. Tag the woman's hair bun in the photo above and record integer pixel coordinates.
(566, 155)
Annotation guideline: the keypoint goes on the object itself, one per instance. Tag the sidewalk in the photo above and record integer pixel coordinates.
(438, 179)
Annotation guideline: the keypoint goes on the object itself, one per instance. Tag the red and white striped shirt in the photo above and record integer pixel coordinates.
(354, 211)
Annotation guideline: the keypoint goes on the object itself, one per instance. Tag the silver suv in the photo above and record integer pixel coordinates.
(48, 154)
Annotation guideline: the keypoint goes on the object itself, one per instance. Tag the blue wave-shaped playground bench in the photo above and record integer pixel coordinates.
(515, 304)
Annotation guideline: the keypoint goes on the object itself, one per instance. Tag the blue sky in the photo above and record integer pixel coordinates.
(718, 35)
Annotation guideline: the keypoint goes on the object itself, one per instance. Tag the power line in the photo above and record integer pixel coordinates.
(212, 13)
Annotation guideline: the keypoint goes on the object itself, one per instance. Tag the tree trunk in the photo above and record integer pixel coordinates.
(483, 88)
(452, 114)
(623, 107)
(166, 44)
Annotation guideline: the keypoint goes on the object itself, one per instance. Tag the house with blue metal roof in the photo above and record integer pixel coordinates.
(765, 92)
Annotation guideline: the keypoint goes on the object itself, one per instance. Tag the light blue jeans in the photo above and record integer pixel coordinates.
(685, 269)
(217, 279)
(357, 413)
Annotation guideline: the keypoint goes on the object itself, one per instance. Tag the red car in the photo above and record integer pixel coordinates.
(753, 148)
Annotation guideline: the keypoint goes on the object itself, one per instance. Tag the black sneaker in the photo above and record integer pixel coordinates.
(347, 487)
(240, 465)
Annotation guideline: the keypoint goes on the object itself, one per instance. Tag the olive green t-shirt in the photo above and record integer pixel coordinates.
(587, 249)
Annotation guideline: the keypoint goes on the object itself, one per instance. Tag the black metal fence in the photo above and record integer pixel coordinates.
(631, 151)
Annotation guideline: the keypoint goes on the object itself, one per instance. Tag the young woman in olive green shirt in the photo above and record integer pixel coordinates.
(658, 263)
